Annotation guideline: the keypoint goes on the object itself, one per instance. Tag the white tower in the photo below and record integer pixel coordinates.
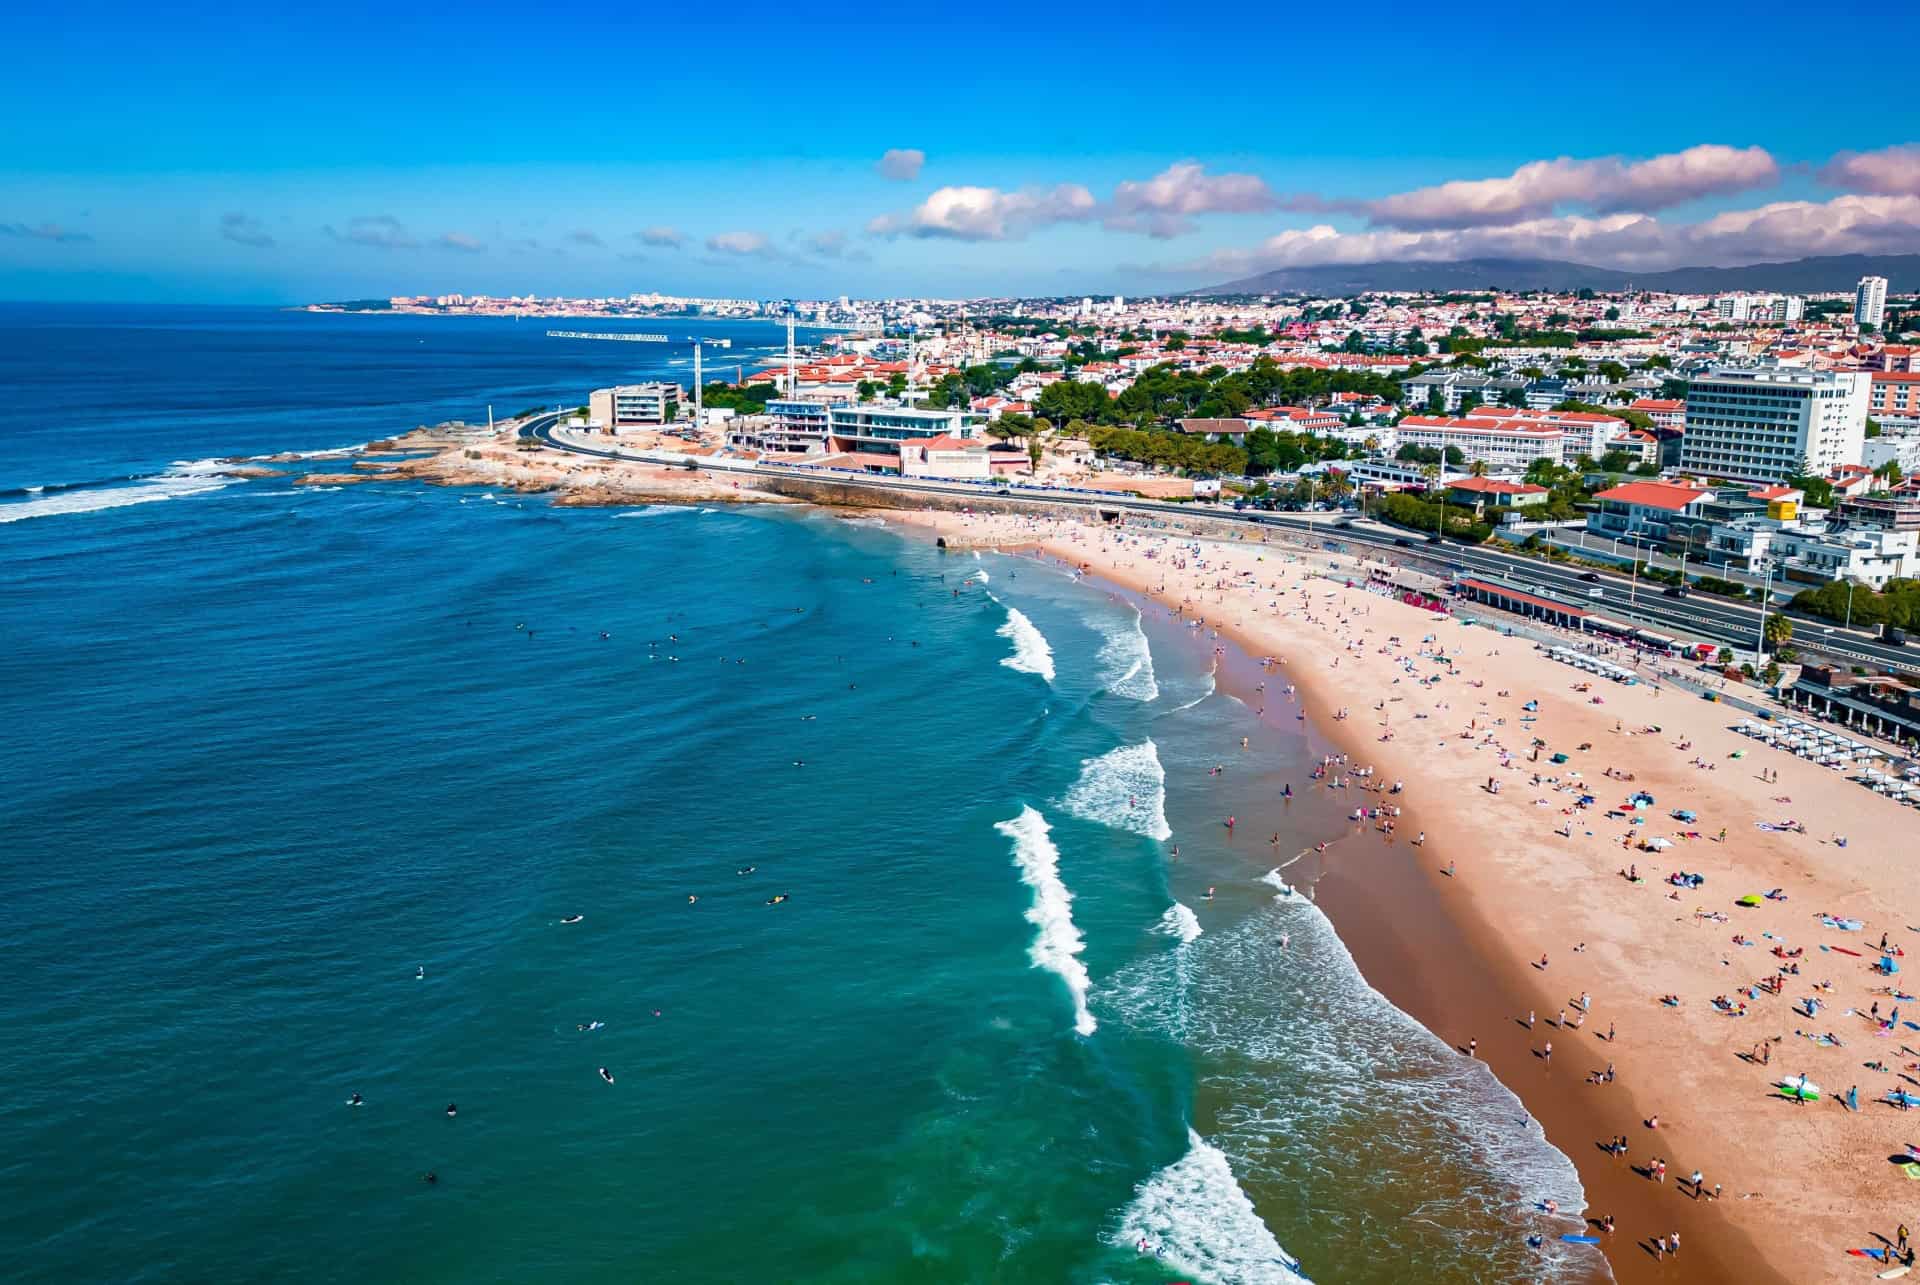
(792, 387)
(699, 411)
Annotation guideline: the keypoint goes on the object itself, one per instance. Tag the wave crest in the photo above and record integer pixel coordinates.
(1031, 654)
(1057, 943)
(1124, 788)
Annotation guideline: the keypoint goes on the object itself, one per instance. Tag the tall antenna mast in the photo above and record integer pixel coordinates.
(792, 386)
(698, 408)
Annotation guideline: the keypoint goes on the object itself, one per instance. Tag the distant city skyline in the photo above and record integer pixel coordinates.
(346, 152)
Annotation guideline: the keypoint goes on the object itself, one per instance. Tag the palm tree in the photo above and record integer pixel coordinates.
(1778, 631)
(1479, 468)
(1431, 472)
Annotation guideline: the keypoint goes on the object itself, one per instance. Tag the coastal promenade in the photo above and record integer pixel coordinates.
(1724, 623)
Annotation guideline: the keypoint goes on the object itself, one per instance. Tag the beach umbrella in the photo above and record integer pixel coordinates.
(1660, 844)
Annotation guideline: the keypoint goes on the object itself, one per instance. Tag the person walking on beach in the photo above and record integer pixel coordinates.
(1529, 1019)
(1901, 1236)
(1473, 1047)
(1548, 1055)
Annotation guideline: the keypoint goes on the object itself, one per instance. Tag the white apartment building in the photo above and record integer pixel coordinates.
(1769, 423)
(1868, 555)
(1901, 450)
(1870, 301)
(1514, 439)
(1760, 307)
(634, 405)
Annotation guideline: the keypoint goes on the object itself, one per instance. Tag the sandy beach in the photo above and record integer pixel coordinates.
(1497, 903)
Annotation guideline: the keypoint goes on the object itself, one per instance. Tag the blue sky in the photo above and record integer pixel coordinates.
(256, 155)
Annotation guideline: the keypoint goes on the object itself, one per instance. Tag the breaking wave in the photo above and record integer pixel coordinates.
(1124, 788)
(1126, 663)
(1305, 1053)
(1057, 942)
(1194, 1216)
(184, 478)
(1180, 921)
(1031, 654)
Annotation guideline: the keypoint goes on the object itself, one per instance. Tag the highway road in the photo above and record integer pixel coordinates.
(1698, 615)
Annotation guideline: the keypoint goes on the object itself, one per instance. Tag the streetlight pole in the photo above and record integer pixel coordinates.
(1850, 585)
(1766, 598)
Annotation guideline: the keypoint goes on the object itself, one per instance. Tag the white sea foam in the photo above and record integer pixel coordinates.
(1180, 921)
(1274, 879)
(186, 477)
(1124, 788)
(1126, 662)
(1207, 689)
(1031, 654)
(1057, 942)
(1195, 1216)
(1304, 1048)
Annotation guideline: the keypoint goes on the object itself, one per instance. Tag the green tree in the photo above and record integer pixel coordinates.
(1778, 631)
(897, 384)
(866, 389)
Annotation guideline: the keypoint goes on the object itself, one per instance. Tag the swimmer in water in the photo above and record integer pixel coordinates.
(430, 1177)
(691, 898)
(453, 1109)
(606, 1075)
(573, 919)
(588, 1026)
(746, 870)
(777, 899)
(1209, 896)
(420, 973)
(354, 1101)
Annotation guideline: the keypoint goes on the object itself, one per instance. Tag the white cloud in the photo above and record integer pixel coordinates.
(1606, 185)
(244, 229)
(460, 241)
(665, 237)
(1163, 205)
(584, 237)
(1781, 230)
(1891, 171)
(987, 213)
(382, 231)
(901, 164)
(740, 243)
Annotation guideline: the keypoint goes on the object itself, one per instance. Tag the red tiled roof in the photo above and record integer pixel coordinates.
(1514, 595)
(1493, 486)
(1654, 495)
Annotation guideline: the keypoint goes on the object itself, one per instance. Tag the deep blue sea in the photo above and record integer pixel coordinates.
(445, 798)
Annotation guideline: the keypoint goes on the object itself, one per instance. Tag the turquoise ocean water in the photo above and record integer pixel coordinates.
(301, 788)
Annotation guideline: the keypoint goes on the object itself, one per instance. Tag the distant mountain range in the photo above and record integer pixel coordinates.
(1801, 276)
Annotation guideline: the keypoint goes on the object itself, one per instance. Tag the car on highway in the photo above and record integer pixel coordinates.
(1403, 542)
(1675, 591)
(1590, 576)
